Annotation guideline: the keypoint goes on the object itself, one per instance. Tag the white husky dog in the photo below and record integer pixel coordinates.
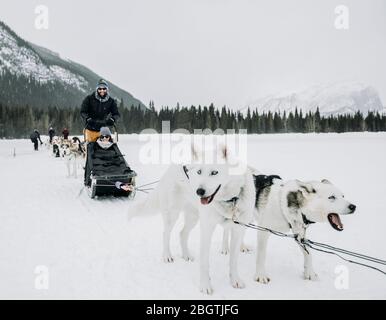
(73, 153)
(223, 197)
(209, 192)
(295, 205)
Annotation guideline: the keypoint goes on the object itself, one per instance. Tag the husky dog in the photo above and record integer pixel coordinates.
(65, 148)
(55, 151)
(210, 192)
(171, 196)
(294, 205)
(72, 151)
(223, 197)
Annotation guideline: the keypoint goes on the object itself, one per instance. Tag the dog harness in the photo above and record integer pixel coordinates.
(306, 221)
(263, 181)
(232, 200)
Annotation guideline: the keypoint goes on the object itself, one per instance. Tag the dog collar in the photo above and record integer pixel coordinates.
(232, 200)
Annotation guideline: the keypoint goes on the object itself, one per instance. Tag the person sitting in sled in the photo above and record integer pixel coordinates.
(98, 110)
(105, 142)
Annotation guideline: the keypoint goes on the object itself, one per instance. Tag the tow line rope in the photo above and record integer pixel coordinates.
(146, 190)
(139, 188)
(314, 245)
(303, 242)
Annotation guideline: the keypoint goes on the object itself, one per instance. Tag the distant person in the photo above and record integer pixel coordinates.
(98, 109)
(65, 133)
(35, 137)
(51, 133)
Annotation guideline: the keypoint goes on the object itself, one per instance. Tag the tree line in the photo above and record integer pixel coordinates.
(20, 121)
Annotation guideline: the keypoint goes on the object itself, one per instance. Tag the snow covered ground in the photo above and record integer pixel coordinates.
(92, 250)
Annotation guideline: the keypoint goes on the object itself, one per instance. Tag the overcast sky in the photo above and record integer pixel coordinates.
(222, 51)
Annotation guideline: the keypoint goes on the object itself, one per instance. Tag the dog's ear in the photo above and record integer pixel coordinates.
(326, 181)
(306, 187)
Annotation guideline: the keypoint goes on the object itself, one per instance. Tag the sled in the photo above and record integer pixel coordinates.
(106, 167)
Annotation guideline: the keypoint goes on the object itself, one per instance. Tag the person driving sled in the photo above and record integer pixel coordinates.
(98, 109)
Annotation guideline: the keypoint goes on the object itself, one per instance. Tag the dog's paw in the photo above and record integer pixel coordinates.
(168, 258)
(310, 275)
(206, 288)
(188, 257)
(237, 283)
(245, 249)
(262, 278)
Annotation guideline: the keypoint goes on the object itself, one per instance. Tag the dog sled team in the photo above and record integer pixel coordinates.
(72, 150)
(106, 172)
(211, 194)
(208, 193)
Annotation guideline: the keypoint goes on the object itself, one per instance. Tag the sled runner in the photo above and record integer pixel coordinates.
(104, 168)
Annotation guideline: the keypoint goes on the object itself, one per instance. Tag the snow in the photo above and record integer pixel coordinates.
(69, 78)
(21, 60)
(333, 98)
(92, 250)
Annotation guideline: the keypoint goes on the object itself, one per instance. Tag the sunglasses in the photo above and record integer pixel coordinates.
(104, 137)
(102, 89)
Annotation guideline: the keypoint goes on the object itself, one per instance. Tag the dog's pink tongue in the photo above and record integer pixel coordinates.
(204, 200)
(335, 218)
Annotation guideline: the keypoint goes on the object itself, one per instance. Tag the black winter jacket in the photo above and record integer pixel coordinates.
(95, 112)
(35, 136)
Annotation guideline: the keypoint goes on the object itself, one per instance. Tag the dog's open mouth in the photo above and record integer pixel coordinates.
(334, 220)
(207, 200)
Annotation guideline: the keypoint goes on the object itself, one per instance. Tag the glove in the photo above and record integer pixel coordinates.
(110, 122)
(100, 123)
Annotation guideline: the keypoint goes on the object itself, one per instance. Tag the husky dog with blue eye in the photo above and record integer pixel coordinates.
(221, 197)
(295, 205)
(209, 192)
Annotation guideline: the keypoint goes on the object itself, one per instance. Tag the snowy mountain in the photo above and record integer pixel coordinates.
(332, 99)
(61, 82)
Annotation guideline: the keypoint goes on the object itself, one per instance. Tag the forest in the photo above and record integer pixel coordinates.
(20, 121)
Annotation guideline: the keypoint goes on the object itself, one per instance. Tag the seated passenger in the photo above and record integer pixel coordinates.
(106, 159)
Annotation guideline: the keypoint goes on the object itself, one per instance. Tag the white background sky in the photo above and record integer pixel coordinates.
(222, 51)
